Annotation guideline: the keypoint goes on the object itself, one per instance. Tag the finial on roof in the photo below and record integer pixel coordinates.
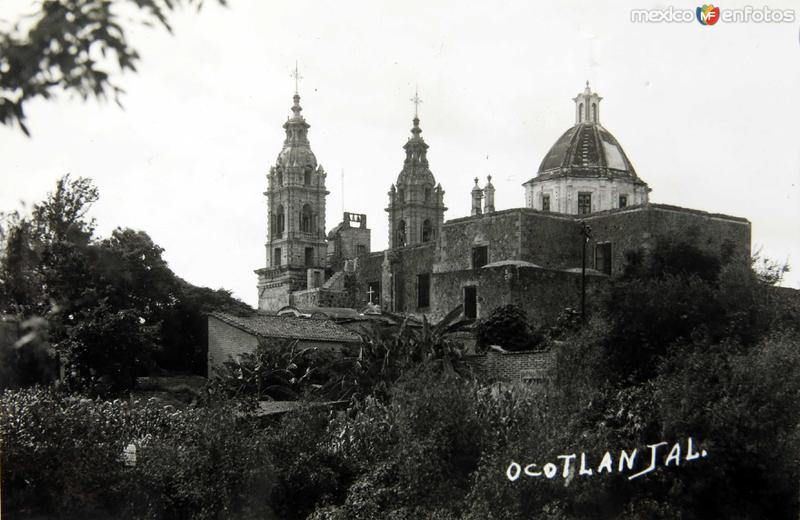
(416, 100)
(297, 77)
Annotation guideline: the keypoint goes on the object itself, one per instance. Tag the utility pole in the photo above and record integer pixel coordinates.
(586, 235)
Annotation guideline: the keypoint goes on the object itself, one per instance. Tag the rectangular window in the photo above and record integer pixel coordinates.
(276, 257)
(623, 201)
(602, 257)
(480, 256)
(361, 250)
(545, 202)
(584, 203)
(470, 302)
(374, 292)
(309, 257)
(423, 291)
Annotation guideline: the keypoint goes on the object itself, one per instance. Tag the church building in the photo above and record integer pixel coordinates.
(531, 256)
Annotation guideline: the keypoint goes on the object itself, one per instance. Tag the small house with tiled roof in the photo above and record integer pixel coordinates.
(230, 336)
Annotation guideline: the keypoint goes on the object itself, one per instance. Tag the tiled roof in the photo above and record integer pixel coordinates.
(289, 327)
(511, 263)
(586, 150)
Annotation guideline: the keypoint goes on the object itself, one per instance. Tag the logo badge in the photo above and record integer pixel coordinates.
(708, 14)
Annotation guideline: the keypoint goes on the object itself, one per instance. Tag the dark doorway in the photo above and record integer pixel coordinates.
(480, 256)
(423, 291)
(470, 302)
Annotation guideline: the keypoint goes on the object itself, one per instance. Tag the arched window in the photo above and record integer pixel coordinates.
(307, 176)
(279, 222)
(279, 177)
(401, 233)
(305, 219)
(427, 231)
(594, 112)
(427, 194)
(401, 195)
(580, 113)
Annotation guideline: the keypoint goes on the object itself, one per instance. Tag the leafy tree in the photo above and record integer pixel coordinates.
(108, 302)
(508, 327)
(74, 46)
(184, 331)
(675, 293)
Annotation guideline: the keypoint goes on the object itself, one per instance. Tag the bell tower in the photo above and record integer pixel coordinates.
(416, 202)
(296, 247)
(296, 199)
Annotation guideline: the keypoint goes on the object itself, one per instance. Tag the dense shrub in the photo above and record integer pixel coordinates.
(64, 455)
(413, 456)
(309, 472)
(508, 327)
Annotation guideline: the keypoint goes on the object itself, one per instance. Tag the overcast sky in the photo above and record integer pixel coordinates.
(707, 114)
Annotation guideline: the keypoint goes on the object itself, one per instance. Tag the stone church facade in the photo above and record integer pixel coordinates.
(531, 256)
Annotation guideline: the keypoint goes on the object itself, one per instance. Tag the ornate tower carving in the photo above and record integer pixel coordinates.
(296, 247)
(296, 200)
(416, 202)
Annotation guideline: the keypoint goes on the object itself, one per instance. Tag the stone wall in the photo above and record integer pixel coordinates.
(550, 240)
(499, 231)
(369, 269)
(344, 240)
(631, 228)
(320, 297)
(544, 239)
(406, 264)
(411, 261)
(276, 285)
(554, 240)
(542, 293)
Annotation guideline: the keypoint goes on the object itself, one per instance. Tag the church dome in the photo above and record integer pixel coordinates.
(586, 169)
(586, 150)
(296, 150)
(292, 156)
(416, 171)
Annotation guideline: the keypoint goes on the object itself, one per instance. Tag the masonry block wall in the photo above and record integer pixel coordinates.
(542, 293)
(369, 270)
(275, 286)
(226, 341)
(320, 297)
(499, 231)
(536, 366)
(550, 240)
(406, 264)
(352, 237)
(635, 227)
(412, 261)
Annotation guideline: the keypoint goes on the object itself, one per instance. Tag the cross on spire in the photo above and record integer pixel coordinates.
(416, 100)
(297, 77)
